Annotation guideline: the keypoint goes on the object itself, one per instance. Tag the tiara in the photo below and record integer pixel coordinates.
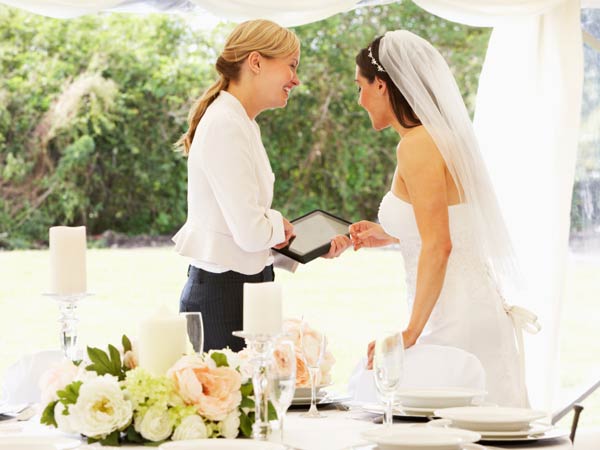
(374, 61)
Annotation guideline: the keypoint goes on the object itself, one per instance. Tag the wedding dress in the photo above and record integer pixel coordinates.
(470, 313)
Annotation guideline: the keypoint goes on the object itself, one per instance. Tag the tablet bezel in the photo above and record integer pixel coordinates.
(319, 251)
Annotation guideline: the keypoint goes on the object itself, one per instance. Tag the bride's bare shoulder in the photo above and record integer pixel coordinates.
(417, 144)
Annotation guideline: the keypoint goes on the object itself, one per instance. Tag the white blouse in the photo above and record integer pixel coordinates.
(230, 223)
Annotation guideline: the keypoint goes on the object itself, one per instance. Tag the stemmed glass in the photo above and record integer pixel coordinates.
(388, 365)
(195, 330)
(282, 376)
(313, 351)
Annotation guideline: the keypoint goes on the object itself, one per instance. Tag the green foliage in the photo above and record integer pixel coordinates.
(48, 415)
(69, 395)
(90, 108)
(103, 363)
(220, 359)
(323, 148)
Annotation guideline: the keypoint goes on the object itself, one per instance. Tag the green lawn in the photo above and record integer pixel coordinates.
(350, 298)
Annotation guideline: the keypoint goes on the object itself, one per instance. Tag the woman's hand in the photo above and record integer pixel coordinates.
(288, 229)
(338, 245)
(369, 234)
(409, 339)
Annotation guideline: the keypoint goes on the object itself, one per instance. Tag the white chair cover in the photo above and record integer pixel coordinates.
(425, 365)
(22, 378)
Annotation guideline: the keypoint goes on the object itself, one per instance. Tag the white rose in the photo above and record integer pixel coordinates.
(156, 425)
(192, 427)
(101, 408)
(230, 426)
(63, 422)
(245, 365)
(55, 379)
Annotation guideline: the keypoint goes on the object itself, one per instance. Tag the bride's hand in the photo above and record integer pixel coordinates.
(338, 245)
(408, 338)
(369, 234)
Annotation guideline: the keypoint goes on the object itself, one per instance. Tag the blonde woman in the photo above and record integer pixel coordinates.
(231, 227)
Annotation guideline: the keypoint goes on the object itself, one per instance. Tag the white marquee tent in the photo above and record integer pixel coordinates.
(527, 118)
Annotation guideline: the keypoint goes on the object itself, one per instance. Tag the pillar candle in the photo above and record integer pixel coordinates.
(67, 260)
(262, 308)
(162, 341)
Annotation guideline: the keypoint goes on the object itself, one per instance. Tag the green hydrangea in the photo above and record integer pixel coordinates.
(145, 390)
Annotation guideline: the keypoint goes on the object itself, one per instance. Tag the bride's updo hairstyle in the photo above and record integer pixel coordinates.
(370, 67)
(262, 36)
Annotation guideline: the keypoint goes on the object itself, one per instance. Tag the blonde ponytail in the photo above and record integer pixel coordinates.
(185, 141)
(263, 36)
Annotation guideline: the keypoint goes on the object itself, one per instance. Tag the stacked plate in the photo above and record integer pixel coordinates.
(422, 438)
(222, 444)
(500, 423)
(424, 401)
(302, 395)
(38, 443)
(417, 404)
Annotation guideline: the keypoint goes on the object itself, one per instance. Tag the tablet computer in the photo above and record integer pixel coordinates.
(314, 232)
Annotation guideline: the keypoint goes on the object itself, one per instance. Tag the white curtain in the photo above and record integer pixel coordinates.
(290, 13)
(527, 120)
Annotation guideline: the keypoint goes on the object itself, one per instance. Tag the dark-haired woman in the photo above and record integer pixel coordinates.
(441, 210)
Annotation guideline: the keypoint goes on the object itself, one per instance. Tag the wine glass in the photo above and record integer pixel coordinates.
(282, 381)
(195, 330)
(388, 365)
(314, 345)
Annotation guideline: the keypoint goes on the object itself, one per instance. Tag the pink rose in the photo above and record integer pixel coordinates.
(302, 373)
(55, 379)
(297, 331)
(130, 359)
(291, 328)
(214, 391)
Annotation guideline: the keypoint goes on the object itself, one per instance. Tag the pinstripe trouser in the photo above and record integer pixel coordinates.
(219, 297)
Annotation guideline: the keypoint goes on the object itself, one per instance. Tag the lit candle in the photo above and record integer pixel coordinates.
(67, 260)
(162, 341)
(262, 308)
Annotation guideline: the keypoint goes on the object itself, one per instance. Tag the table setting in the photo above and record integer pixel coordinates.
(161, 388)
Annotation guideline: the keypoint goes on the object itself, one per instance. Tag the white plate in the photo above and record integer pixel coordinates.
(437, 397)
(306, 398)
(421, 438)
(490, 418)
(38, 443)
(221, 444)
(397, 412)
(305, 391)
(533, 430)
(416, 411)
(555, 433)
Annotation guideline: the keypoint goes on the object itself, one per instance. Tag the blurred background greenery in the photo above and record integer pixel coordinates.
(90, 109)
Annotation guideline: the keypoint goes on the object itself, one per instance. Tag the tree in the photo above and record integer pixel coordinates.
(91, 107)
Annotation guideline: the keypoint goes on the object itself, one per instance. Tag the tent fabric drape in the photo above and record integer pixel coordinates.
(527, 120)
(293, 13)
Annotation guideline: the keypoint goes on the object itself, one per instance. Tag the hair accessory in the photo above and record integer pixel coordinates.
(374, 61)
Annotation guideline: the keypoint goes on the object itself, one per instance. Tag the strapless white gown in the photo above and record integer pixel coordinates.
(470, 313)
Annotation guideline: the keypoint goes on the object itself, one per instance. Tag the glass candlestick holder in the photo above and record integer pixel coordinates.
(261, 346)
(67, 305)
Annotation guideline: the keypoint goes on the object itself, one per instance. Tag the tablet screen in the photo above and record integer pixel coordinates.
(315, 230)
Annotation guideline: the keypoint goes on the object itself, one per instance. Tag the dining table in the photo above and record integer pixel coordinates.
(341, 429)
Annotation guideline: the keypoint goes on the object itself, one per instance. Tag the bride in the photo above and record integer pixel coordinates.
(442, 211)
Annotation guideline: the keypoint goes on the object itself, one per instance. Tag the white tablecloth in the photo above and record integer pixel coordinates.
(340, 430)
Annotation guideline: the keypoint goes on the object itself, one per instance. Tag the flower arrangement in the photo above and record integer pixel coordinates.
(111, 401)
(297, 329)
